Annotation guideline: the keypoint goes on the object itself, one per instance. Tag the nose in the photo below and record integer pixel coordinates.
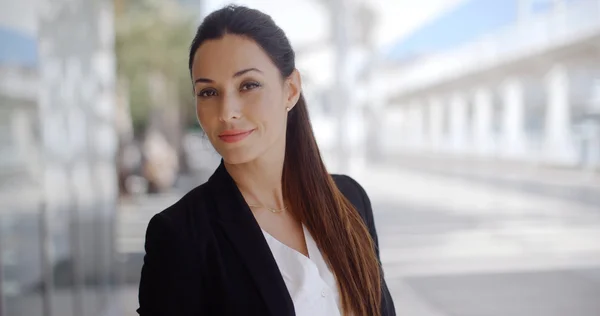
(230, 108)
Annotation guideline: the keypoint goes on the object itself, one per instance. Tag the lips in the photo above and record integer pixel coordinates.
(233, 136)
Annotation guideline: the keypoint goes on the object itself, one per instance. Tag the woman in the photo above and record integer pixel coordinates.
(271, 232)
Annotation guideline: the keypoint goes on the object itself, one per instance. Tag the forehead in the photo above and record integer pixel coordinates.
(220, 58)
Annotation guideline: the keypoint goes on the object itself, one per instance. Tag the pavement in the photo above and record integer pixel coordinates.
(467, 241)
(459, 240)
(575, 184)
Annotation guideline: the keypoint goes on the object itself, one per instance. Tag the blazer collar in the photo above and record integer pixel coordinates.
(240, 226)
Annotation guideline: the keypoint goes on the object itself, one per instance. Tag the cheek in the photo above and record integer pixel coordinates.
(265, 107)
(205, 116)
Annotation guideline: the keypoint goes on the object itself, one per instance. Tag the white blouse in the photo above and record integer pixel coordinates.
(309, 281)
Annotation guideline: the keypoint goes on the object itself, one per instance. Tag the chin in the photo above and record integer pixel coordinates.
(237, 156)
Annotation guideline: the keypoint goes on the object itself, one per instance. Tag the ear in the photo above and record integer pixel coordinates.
(293, 88)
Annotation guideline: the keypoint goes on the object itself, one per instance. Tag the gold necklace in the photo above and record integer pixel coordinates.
(273, 210)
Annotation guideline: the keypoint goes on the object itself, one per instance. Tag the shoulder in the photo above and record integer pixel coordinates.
(355, 193)
(348, 184)
(195, 199)
(187, 217)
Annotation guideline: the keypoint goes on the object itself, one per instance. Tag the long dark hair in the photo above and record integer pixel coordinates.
(334, 223)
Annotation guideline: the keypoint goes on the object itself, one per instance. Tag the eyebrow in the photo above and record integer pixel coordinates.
(237, 74)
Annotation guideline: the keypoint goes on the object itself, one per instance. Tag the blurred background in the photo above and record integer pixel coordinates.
(474, 125)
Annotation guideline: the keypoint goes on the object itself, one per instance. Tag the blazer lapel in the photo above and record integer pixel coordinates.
(245, 234)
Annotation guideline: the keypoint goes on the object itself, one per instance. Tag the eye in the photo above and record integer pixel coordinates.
(207, 93)
(250, 85)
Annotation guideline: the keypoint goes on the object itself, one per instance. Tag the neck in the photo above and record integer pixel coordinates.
(259, 180)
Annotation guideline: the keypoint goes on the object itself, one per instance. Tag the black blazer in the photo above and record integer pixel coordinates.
(206, 255)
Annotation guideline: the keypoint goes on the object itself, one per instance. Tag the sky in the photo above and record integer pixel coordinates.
(306, 20)
(469, 20)
(401, 17)
(17, 32)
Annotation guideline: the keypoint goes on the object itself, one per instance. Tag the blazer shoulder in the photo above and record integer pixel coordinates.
(346, 182)
(190, 214)
(192, 199)
(354, 192)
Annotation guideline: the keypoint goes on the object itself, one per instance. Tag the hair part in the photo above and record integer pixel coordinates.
(337, 227)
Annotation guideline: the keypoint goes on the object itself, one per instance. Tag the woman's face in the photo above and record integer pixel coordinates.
(241, 99)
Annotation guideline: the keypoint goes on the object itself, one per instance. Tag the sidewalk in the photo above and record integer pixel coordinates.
(580, 186)
(448, 242)
(505, 169)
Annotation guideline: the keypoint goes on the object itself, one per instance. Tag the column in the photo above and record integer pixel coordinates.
(408, 126)
(458, 126)
(513, 134)
(415, 117)
(593, 160)
(405, 128)
(482, 121)
(375, 115)
(344, 78)
(76, 117)
(395, 132)
(435, 124)
(557, 136)
(356, 133)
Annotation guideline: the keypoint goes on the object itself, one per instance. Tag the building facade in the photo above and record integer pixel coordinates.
(58, 185)
(520, 82)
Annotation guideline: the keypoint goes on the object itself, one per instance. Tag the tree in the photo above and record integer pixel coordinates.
(152, 42)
